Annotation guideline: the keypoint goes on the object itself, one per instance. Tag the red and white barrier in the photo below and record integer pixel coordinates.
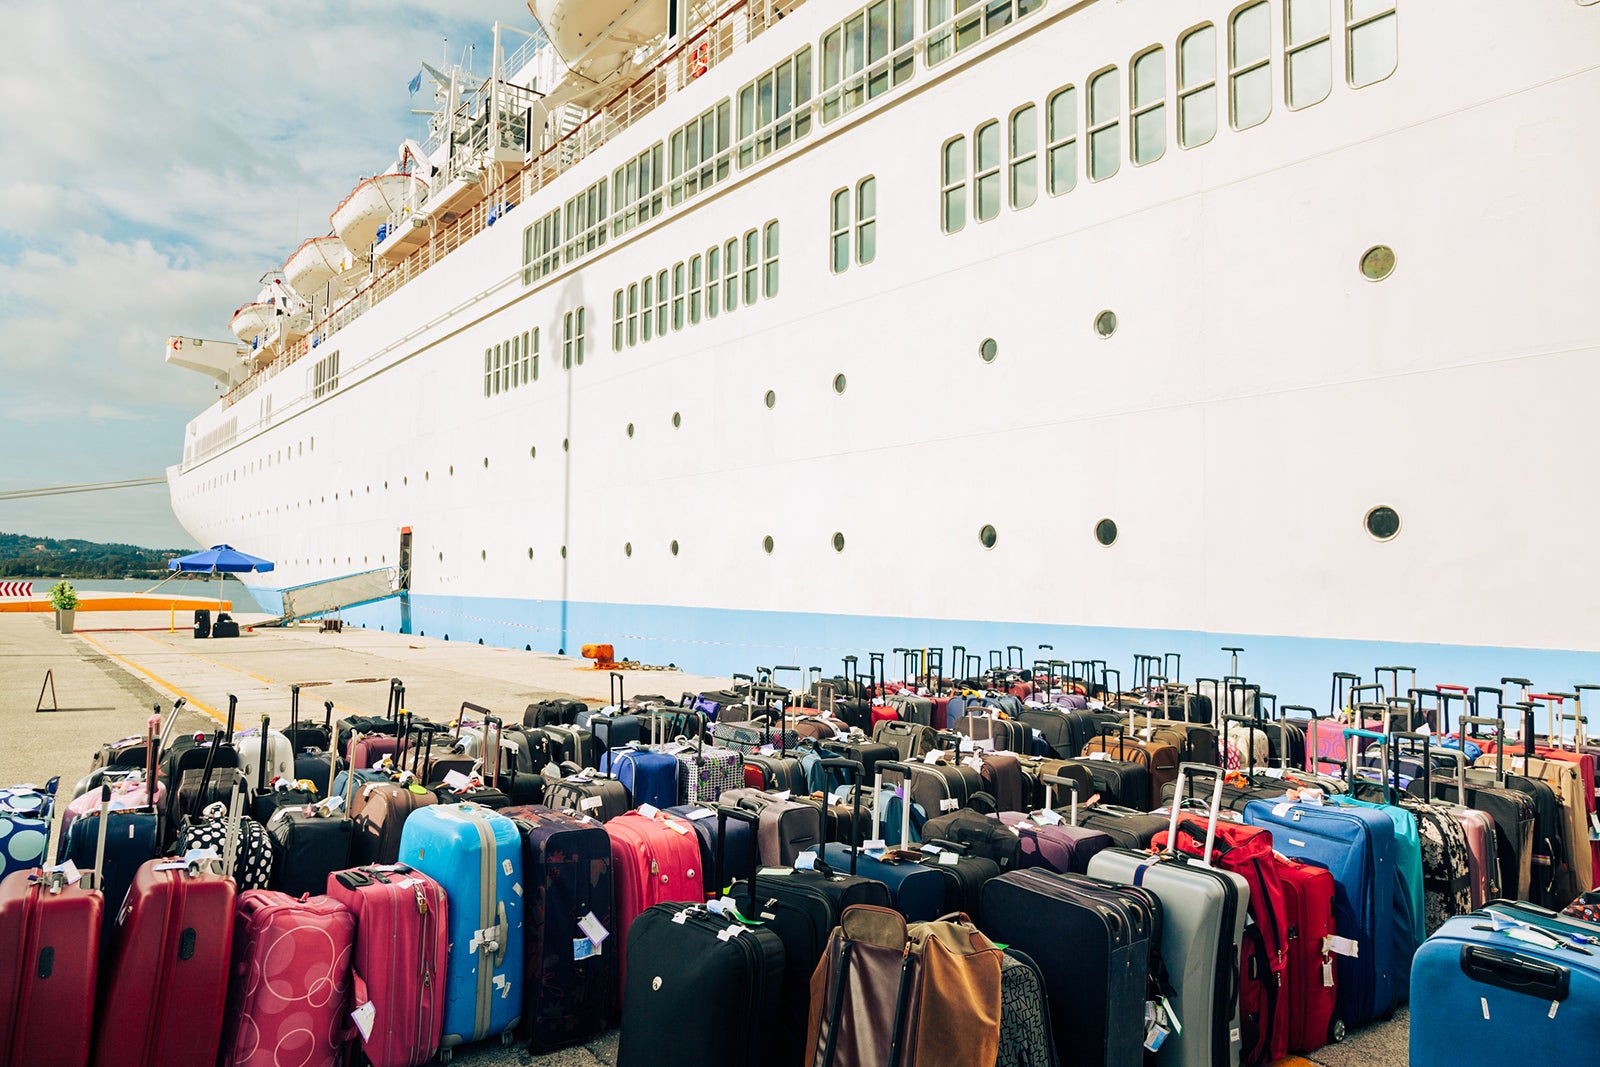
(16, 589)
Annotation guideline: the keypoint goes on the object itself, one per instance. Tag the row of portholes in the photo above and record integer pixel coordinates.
(1105, 324)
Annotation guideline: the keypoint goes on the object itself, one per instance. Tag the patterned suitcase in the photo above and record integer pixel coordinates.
(708, 771)
(566, 865)
(476, 855)
(25, 812)
(396, 905)
(290, 987)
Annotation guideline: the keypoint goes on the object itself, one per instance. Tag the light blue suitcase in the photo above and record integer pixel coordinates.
(476, 855)
(1509, 986)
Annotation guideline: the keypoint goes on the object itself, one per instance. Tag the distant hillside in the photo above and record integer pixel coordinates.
(43, 557)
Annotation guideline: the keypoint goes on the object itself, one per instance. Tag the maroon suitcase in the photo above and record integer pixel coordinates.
(169, 968)
(396, 905)
(50, 948)
(289, 993)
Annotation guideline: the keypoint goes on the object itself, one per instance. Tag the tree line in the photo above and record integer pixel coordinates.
(22, 556)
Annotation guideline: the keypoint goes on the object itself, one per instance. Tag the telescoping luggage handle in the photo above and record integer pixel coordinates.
(905, 799)
(1427, 763)
(1177, 806)
(1050, 780)
(853, 771)
(1498, 728)
(749, 818)
(1351, 735)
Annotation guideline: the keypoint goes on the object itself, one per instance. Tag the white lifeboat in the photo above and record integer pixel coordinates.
(252, 320)
(370, 204)
(597, 38)
(315, 263)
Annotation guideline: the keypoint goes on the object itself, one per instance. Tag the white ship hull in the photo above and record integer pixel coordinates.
(1259, 394)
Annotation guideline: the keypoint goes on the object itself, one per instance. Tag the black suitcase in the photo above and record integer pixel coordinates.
(571, 744)
(683, 957)
(1004, 735)
(1093, 942)
(1127, 827)
(202, 622)
(965, 875)
(587, 792)
(979, 834)
(307, 846)
(865, 751)
(1119, 781)
(941, 788)
(779, 773)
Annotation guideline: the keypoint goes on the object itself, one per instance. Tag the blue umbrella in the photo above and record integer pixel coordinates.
(223, 559)
(219, 559)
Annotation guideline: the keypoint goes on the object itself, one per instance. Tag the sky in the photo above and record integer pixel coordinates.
(158, 158)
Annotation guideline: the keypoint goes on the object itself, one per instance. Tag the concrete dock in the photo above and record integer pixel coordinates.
(110, 672)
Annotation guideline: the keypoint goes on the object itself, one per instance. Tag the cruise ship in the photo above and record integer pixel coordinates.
(774, 332)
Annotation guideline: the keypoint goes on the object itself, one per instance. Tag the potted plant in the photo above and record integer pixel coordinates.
(65, 600)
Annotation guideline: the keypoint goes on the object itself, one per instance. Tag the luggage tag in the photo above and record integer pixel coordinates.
(68, 872)
(457, 782)
(975, 762)
(583, 948)
(699, 813)
(594, 930)
(949, 859)
(1341, 945)
(364, 1017)
(1046, 817)
(875, 848)
(649, 811)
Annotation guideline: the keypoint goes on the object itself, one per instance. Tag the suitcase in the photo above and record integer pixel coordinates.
(786, 827)
(991, 732)
(654, 860)
(1503, 989)
(919, 995)
(910, 741)
(290, 987)
(1054, 843)
(609, 731)
(25, 814)
(1026, 1037)
(476, 855)
(981, 834)
(941, 788)
(1202, 932)
(278, 761)
(1001, 776)
(50, 942)
(1092, 941)
(708, 770)
(865, 751)
(682, 957)
(965, 875)
(553, 712)
(309, 844)
(1160, 761)
(253, 858)
(1312, 976)
(586, 792)
(917, 892)
(740, 840)
(650, 777)
(567, 989)
(168, 965)
(397, 905)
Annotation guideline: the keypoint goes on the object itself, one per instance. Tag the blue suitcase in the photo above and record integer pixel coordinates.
(649, 777)
(1357, 845)
(25, 814)
(1503, 986)
(1408, 861)
(476, 855)
(741, 839)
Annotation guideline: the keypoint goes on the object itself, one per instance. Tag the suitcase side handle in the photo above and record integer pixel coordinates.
(1516, 972)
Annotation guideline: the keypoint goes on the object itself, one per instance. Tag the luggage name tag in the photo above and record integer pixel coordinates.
(1097, 755)
(1341, 945)
(967, 745)
(364, 1017)
(876, 847)
(949, 859)
(934, 756)
(1154, 1037)
(975, 762)
(767, 750)
(784, 795)
(1046, 817)
(583, 948)
(699, 813)
(590, 803)
(70, 875)
(593, 929)
(949, 804)
(674, 825)
(457, 781)
(649, 811)
(1327, 973)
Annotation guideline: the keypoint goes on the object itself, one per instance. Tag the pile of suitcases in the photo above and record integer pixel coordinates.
(1016, 865)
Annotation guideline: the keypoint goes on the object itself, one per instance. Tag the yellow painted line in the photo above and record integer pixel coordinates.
(192, 701)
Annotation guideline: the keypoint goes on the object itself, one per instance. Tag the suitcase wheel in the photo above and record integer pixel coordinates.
(445, 1054)
(1336, 1031)
(507, 1037)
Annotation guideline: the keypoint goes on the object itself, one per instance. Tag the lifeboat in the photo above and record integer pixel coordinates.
(370, 204)
(316, 262)
(597, 38)
(252, 320)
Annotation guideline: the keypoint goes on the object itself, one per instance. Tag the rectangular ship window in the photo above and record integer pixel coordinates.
(769, 265)
(713, 280)
(730, 276)
(617, 320)
(1372, 42)
(866, 220)
(1061, 135)
(647, 301)
(1105, 114)
(633, 314)
(986, 171)
(1024, 172)
(841, 230)
(1250, 65)
(775, 109)
(953, 183)
(752, 265)
(1308, 52)
(661, 304)
(696, 287)
(1149, 106)
(1197, 86)
(677, 296)
(867, 54)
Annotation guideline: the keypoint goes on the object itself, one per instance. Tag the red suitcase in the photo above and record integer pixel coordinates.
(398, 906)
(653, 860)
(50, 945)
(1311, 984)
(169, 968)
(289, 993)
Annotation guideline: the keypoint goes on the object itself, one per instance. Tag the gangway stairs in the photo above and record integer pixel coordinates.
(334, 594)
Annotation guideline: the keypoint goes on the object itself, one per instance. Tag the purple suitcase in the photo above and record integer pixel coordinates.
(1060, 847)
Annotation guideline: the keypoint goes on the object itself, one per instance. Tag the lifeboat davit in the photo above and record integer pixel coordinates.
(369, 205)
(252, 320)
(316, 262)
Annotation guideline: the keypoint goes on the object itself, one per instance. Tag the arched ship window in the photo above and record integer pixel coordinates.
(1372, 42)
(1307, 52)
(1250, 65)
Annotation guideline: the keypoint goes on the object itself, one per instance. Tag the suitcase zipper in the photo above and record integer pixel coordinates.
(425, 957)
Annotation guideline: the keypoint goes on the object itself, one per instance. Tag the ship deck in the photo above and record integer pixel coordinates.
(109, 673)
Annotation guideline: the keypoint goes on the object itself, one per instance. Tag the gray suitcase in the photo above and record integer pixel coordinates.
(1203, 921)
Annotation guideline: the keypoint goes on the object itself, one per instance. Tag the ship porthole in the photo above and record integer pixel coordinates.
(766, 544)
(839, 383)
(485, 462)
(1377, 263)
(987, 536)
(1105, 323)
(630, 429)
(530, 552)
(838, 542)
(677, 419)
(566, 444)
(483, 554)
(452, 470)
(441, 558)
(673, 548)
(533, 451)
(1105, 531)
(988, 350)
(563, 551)
(1383, 522)
(627, 549)
(771, 399)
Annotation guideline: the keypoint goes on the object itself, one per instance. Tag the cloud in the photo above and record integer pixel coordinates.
(160, 158)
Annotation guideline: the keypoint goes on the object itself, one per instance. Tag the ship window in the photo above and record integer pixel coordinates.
(841, 230)
(630, 430)
(494, 375)
(866, 55)
(1061, 117)
(1308, 52)
(633, 314)
(730, 276)
(627, 549)
(530, 356)
(677, 419)
(1149, 111)
(1024, 179)
(953, 183)
(646, 288)
(767, 544)
(1105, 531)
(1377, 263)
(955, 25)
(752, 265)
(673, 548)
(677, 296)
(1250, 65)
(1383, 522)
(838, 541)
(636, 190)
(1197, 86)
(840, 384)
(770, 400)
(775, 109)
(1371, 40)
(866, 220)
(987, 536)
(488, 372)
(700, 152)
(1105, 113)
(572, 328)
(1105, 323)
(988, 350)
(769, 265)
(696, 287)
(713, 280)
(661, 304)
(986, 171)
(617, 320)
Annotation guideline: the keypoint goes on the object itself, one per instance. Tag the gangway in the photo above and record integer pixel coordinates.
(334, 594)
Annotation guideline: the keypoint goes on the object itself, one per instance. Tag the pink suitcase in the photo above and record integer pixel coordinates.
(289, 995)
(653, 860)
(126, 795)
(396, 905)
(49, 960)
